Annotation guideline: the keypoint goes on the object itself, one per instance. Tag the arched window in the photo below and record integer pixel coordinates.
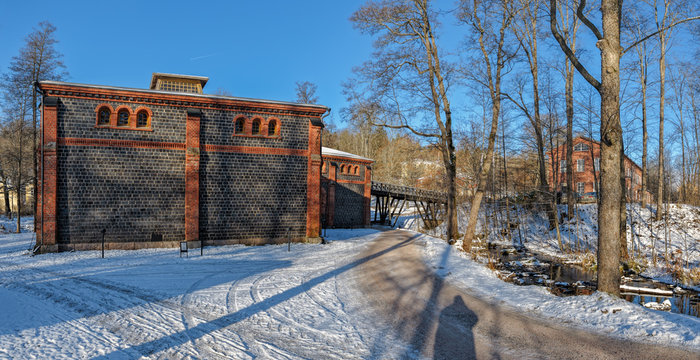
(123, 117)
(142, 119)
(256, 127)
(103, 116)
(342, 169)
(357, 170)
(272, 128)
(240, 125)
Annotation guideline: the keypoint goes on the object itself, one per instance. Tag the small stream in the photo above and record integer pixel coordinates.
(520, 266)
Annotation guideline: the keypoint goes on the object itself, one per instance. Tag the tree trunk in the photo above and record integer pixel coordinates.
(645, 135)
(662, 102)
(623, 204)
(610, 150)
(483, 177)
(570, 198)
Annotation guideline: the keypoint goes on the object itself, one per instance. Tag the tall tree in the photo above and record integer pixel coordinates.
(411, 77)
(636, 28)
(664, 36)
(490, 21)
(38, 60)
(610, 132)
(306, 92)
(527, 32)
(569, 26)
(15, 145)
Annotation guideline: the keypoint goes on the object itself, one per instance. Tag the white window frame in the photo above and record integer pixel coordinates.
(596, 164)
(562, 166)
(581, 147)
(580, 165)
(580, 187)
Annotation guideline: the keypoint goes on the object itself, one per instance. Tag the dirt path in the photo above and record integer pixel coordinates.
(444, 322)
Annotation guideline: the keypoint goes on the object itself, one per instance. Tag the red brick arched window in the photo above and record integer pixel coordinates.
(256, 126)
(104, 115)
(143, 117)
(240, 125)
(273, 127)
(123, 116)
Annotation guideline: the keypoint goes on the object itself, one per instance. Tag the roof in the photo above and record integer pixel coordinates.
(337, 153)
(202, 79)
(201, 96)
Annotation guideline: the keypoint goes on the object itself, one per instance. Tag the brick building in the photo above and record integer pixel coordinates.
(161, 165)
(586, 162)
(346, 186)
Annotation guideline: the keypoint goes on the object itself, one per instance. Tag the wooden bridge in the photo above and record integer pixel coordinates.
(390, 201)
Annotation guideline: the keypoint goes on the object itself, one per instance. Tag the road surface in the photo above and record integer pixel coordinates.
(444, 322)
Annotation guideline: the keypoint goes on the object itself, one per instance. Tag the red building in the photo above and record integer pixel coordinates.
(586, 162)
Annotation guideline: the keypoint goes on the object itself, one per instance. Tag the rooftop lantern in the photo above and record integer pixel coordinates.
(178, 83)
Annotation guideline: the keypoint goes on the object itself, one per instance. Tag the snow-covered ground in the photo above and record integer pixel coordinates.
(677, 239)
(245, 302)
(597, 312)
(234, 302)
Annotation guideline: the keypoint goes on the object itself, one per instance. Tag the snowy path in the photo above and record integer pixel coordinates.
(235, 302)
(363, 296)
(444, 322)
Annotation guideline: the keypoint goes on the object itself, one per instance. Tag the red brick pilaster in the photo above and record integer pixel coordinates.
(46, 202)
(332, 176)
(368, 195)
(313, 191)
(192, 175)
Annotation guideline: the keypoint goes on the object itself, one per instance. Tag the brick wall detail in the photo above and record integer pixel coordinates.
(313, 193)
(49, 166)
(192, 175)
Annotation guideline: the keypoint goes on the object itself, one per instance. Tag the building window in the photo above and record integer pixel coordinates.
(581, 147)
(596, 164)
(580, 165)
(103, 116)
(272, 128)
(256, 127)
(123, 117)
(240, 125)
(562, 166)
(580, 187)
(142, 119)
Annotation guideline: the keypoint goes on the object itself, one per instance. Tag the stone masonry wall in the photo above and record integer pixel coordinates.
(132, 193)
(138, 190)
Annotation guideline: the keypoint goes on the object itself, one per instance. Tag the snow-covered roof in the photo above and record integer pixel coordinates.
(333, 152)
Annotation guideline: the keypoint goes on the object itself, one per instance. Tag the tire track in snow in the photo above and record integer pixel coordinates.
(121, 298)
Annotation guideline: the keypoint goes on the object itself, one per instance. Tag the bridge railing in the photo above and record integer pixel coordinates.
(407, 192)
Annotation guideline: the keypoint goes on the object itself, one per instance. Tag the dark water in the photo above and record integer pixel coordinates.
(522, 267)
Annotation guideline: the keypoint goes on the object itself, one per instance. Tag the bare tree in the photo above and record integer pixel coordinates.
(610, 133)
(15, 147)
(306, 92)
(636, 28)
(490, 22)
(38, 60)
(526, 31)
(412, 78)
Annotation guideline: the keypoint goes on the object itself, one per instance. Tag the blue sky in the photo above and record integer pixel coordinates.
(255, 49)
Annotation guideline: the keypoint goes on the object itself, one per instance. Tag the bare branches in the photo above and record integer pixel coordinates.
(659, 31)
(585, 21)
(565, 48)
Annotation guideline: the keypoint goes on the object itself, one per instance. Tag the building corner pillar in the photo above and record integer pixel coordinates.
(367, 195)
(46, 201)
(192, 151)
(313, 191)
(332, 177)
